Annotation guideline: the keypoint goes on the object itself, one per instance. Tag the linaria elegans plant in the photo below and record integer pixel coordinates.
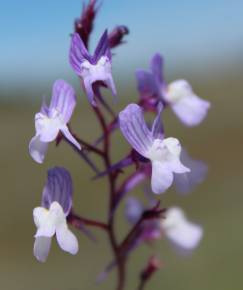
(154, 156)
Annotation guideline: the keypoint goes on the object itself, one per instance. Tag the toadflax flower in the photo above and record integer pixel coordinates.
(50, 218)
(53, 119)
(92, 68)
(164, 153)
(183, 234)
(188, 107)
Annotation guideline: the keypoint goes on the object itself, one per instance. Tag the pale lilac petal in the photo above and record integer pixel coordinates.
(146, 84)
(134, 128)
(63, 100)
(89, 91)
(133, 209)
(70, 137)
(40, 216)
(161, 178)
(110, 84)
(47, 128)
(103, 48)
(37, 149)
(42, 247)
(183, 234)
(67, 240)
(186, 182)
(157, 67)
(157, 127)
(191, 110)
(44, 108)
(78, 53)
(58, 188)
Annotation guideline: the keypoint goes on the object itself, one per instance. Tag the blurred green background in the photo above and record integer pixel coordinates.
(216, 204)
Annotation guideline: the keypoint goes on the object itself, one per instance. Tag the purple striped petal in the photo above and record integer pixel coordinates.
(58, 188)
(157, 67)
(146, 84)
(134, 128)
(63, 99)
(157, 127)
(103, 48)
(78, 53)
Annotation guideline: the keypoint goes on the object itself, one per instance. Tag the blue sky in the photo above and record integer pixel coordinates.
(35, 34)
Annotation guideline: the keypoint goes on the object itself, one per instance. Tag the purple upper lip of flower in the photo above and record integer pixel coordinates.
(58, 188)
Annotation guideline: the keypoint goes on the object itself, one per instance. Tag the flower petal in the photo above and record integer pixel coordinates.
(134, 128)
(146, 84)
(77, 53)
(133, 209)
(47, 128)
(191, 111)
(63, 99)
(58, 188)
(67, 240)
(188, 107)
(37, 149)
(70, 137)
(182, 233)
(157, 127)
(103, 48)
(161, 178)
(157, 67)
(40, 215)
(87, 83)
(110, 84)
(42, 247)
(186, 182)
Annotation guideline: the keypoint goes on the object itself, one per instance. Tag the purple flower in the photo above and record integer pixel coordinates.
(164, 153)
(185, 183)
(92, 68)
(50, 218)
(183, 234)
(188, 107)
(53, 119)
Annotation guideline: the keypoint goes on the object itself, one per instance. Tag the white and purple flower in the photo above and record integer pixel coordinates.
(164, 153)
(188, 107)
(53, 119)
(92, 68)
(51, 218)
(183, 234)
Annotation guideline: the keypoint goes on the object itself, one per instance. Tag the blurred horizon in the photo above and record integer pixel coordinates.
(194, 38)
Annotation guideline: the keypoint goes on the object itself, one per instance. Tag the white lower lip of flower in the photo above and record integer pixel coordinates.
(177, 91)
(164, 150)
(98, 70)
